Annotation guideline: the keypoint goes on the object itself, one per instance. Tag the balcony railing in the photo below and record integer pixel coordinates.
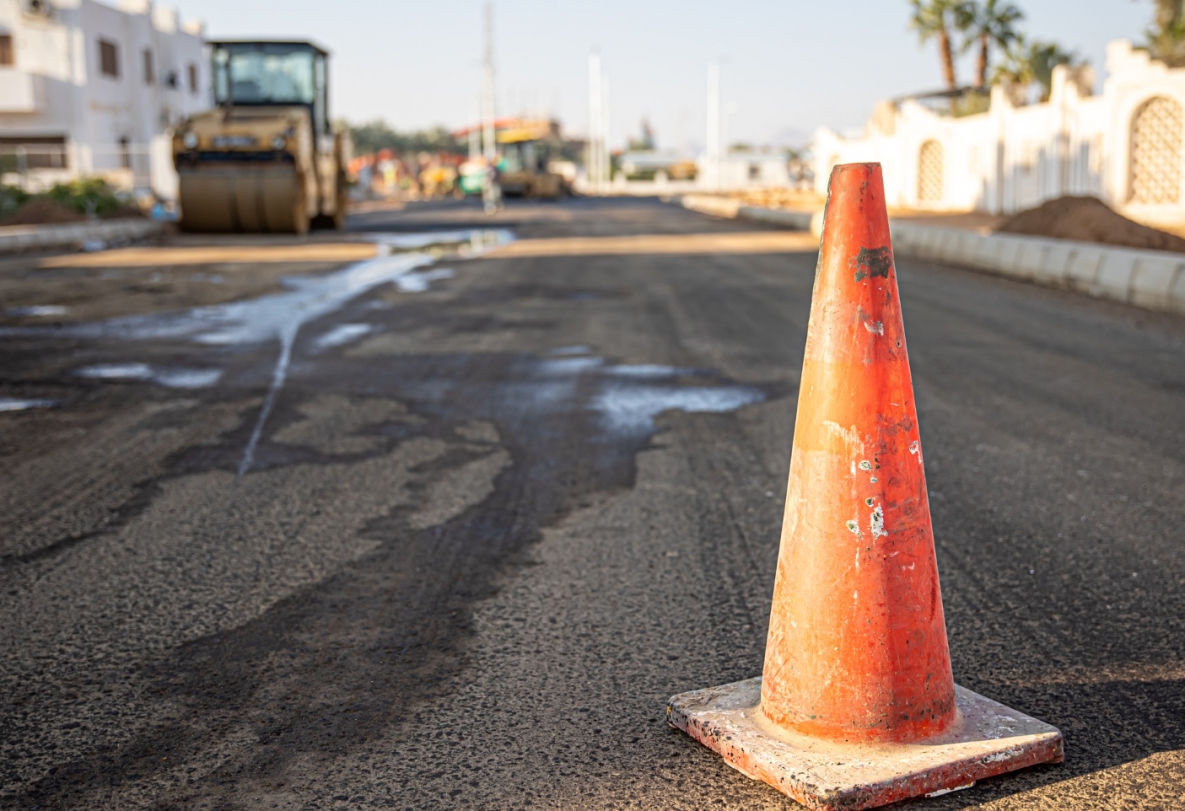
(20, 158)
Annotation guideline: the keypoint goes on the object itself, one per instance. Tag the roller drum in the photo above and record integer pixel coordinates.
(243, 198)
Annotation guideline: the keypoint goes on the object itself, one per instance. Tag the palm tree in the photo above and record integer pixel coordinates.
(1032, 62)
(1166, 36)
(987, 24)
(934, 19)
(1167, 11)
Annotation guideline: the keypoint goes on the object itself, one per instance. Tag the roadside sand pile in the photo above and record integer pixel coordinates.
(41, 211)
(1089, 219)
(780, 198)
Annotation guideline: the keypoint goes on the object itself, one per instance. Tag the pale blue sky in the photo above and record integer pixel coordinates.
(787, 65)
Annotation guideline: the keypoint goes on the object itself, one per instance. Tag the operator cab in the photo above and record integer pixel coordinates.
(273, 74)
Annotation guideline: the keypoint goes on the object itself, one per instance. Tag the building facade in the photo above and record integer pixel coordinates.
(736, 170)
(1123, 145)
(88, 89)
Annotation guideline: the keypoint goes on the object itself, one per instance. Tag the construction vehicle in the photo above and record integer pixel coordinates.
(266, 158)
(471, 177)
(527, 148)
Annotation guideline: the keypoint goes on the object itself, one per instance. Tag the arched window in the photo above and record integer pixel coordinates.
(930, 165)
(1156, 152)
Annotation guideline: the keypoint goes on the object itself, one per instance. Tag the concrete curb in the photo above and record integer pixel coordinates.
(794, 220)
(710, 204)
(16, 238)
(1154, 280)
(732, 209)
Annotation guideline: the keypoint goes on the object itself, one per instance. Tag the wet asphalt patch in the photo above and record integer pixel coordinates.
(382, 632)
(384, 676)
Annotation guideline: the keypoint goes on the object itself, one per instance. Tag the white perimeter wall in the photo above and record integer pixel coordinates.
(1015, 156)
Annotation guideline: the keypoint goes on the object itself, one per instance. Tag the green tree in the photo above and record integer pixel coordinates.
(986, 24)
(375, 135)
(372, 136)
(1032, 62)
(935, 19)
(1165, 38)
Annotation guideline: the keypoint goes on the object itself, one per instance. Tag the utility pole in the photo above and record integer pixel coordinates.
(606, 164)
(712, 158)
(683, 148)
(475, 134)
(597, 159)
(489, 148)
(725, 130)
(592, 162)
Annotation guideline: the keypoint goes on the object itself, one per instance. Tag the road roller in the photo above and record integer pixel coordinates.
(266, 158)
(527, 148)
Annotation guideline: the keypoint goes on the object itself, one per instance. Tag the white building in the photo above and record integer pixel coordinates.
(1124, 146)
(88, 89)
(739, 170)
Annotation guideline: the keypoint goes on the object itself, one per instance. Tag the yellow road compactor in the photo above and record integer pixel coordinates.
(266, 158)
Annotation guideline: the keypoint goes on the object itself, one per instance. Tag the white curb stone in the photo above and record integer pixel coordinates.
(1154, 280)
(1176, 302)
(1083, 268)
(1115, 275)
(14, 238)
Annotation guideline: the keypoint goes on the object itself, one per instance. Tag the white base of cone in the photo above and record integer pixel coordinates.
(988, 739)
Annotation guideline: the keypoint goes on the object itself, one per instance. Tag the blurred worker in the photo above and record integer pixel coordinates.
(491, 189)
(365, 175)
(390, 178)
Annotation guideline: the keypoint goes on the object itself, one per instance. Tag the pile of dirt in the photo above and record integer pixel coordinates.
(40, 211)
(1089, 219)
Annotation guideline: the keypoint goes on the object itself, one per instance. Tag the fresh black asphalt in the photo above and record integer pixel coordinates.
(481, 542)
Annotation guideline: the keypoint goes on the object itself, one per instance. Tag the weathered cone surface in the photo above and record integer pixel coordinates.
(857, 641)
(857, 707)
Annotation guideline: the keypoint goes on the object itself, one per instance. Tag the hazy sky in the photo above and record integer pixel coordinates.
(788, 66)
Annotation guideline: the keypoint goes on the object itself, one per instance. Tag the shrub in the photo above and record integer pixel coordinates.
(88, 196)
(11, 198)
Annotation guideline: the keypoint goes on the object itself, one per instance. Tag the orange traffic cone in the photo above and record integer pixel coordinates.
(857, 707)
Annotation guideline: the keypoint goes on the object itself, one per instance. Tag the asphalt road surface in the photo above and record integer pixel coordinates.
(446, 529)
